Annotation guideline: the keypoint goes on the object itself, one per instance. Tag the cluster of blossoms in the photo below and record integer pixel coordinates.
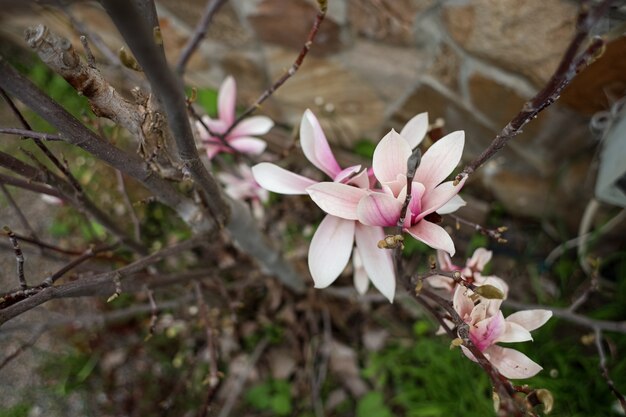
(360, 202)
(487, 325)
(239, 184)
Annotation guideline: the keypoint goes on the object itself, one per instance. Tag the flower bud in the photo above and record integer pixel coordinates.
(490, 292)
(545, 397)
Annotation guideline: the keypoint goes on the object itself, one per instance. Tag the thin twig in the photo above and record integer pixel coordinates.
(319, 18)
(31, 134)
(213, 380)
(571, 64)
(605, 371)
(212, 7)
(495, 234)
(19, 257)
(22, 348)
(88, 254)
(242, 377)
(18, 211)
(121, 187)
(154, 312)
(29, 185)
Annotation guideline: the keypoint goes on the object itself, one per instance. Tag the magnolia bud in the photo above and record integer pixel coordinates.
(490, 292)
(545, 397)
(496, 401)
(456, 343)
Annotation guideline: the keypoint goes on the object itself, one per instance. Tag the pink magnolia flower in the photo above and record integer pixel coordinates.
(471, 273)
(333, 242)
(242, 137)
(241, 185)
(487, 326)
(382, 208)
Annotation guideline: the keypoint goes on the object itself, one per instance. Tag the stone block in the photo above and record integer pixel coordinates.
(527, 37)
(597, 87)
(287, 23)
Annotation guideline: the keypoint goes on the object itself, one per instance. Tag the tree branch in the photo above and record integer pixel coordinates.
(571, 64)
(212, 7)
(169, 91)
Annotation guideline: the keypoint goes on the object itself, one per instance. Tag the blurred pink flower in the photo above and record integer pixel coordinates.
(471, 273)
(241, 185)
(382, 207)
(242, 137)
(487, 326)
(335, 238)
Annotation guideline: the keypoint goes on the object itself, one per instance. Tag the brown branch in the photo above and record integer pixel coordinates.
(605, 371)
(571, 64)
(19, 257)
(79, 135)
(28, 185)
(88, 254)
(319, 18)
(31, 134)
(59, 54)
(15, 303)
(17, 210)
(495, 234)
(169, 90)
(212, 7)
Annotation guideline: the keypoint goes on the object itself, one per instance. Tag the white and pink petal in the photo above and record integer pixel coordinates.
(378, 209)
(337, 199)
(511, 363)
(433, 235)
(279, 180)
(378, 263)
(315, 145)
(390, 157)
(415, 130)
(227, 101)
(440, 159)
(330, 250)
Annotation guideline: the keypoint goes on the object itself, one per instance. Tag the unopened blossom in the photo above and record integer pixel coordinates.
(471, 273)
(382, 208)
(242, 138)
(335, 238)
(241, 185)
(487, 326)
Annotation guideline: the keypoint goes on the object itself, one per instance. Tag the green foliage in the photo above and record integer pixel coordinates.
(372, 404)
(425, 379)
(413, 247)
(70, 371)
(207, 99)
(364, 148)
(273, 395)
(19, 410)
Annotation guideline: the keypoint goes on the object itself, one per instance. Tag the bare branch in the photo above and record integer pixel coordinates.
(319, 18)
(571, 64)
(17, 210)
(16, 303)
(212, 7)
(77, 134)
(169, 90)
(30, 134)
(19, 257)
(605, 371)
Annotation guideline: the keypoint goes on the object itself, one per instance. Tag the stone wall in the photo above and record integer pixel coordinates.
(376, 63)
